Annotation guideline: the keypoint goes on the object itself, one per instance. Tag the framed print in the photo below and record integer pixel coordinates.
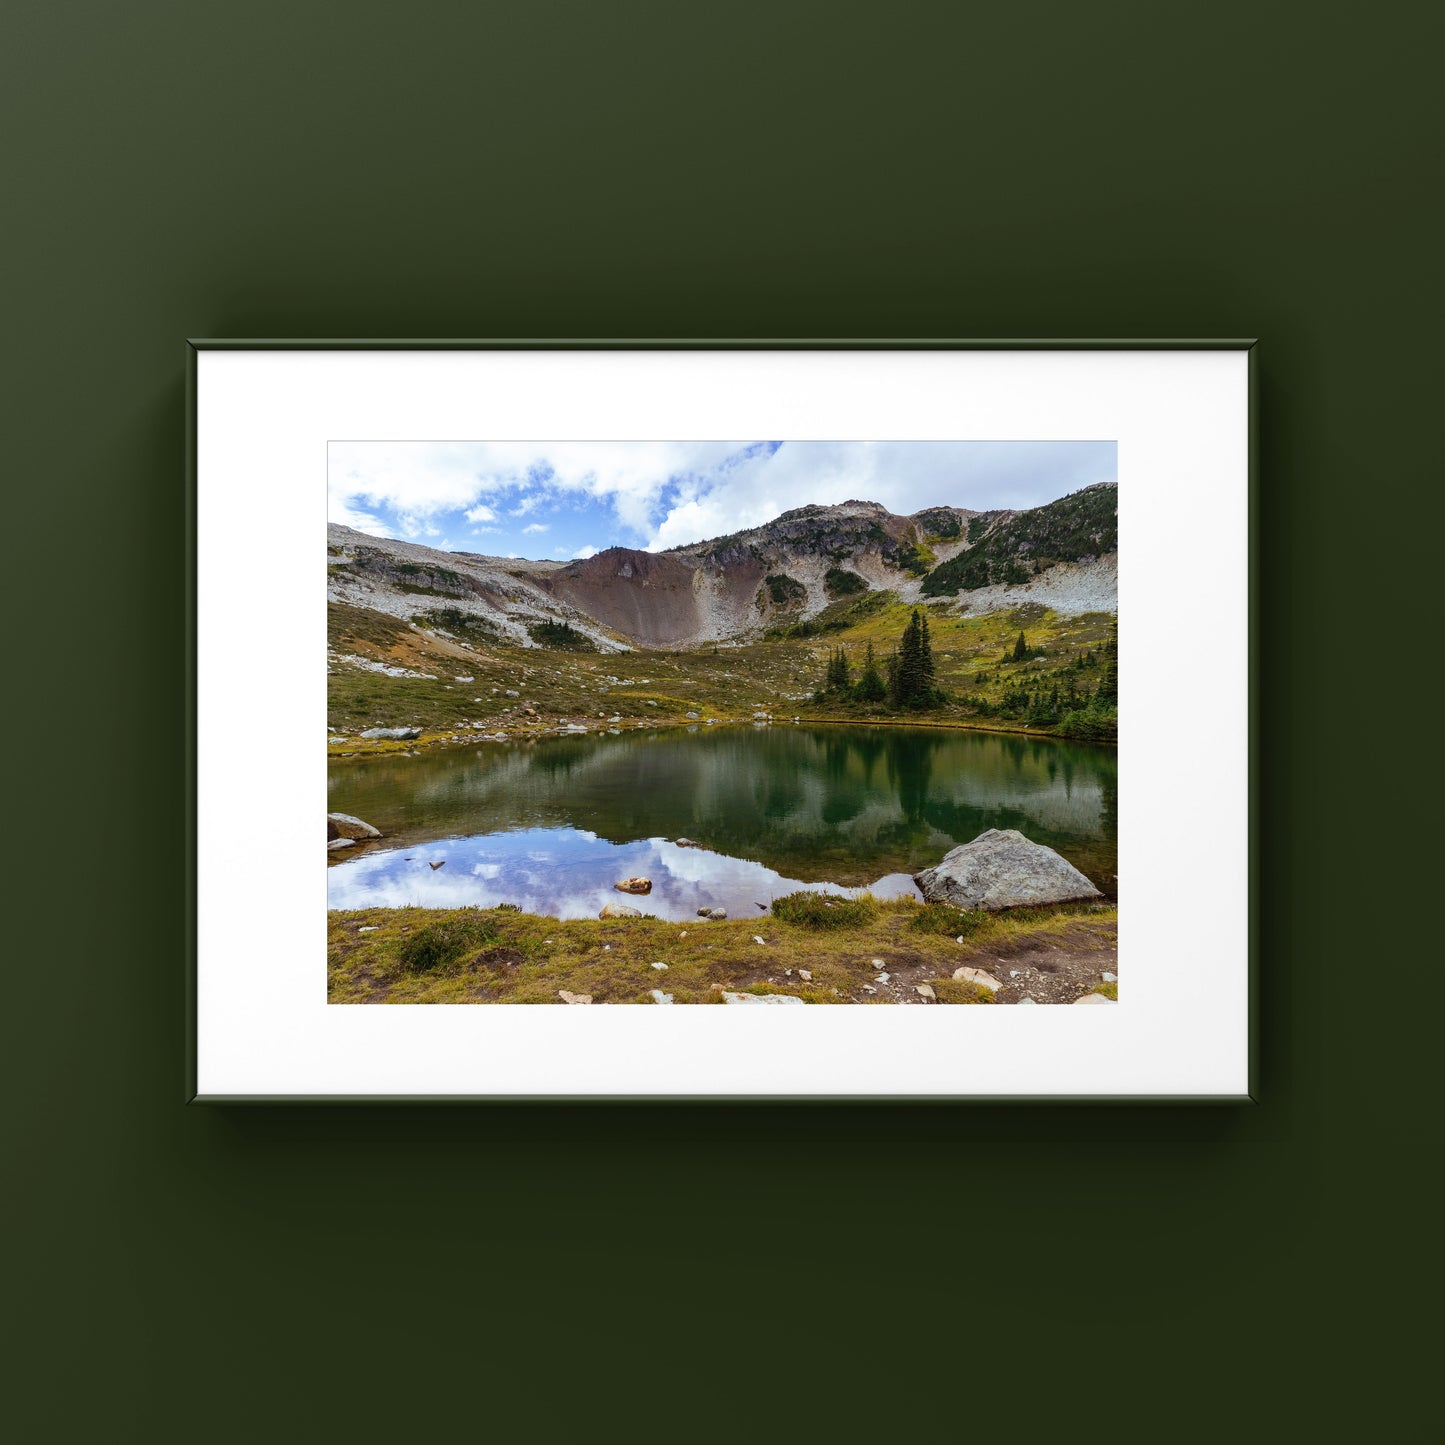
(744, 720)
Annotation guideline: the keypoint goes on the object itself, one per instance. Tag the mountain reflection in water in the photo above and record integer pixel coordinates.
(552, 825)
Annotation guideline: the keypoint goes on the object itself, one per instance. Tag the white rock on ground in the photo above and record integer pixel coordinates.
(573, 997)
(978, 976)
(1092, 998)
(619, 910)
(1003, 869)
(659, 997)
(761, 998)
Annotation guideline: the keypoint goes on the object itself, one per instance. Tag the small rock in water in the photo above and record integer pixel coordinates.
(573, 997)
(659, 997)
(634, 885)
(336, 844)
(659, 965)
(435, 866)
(343, 825)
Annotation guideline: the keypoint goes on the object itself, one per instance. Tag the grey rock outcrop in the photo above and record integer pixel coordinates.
(343, 825)
(1003, 869)
(400, 734)
(619, 910)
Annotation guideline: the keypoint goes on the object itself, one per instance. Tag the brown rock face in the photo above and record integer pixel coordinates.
(647, 596)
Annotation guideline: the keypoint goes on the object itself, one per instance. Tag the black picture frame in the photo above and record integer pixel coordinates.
(193, 348)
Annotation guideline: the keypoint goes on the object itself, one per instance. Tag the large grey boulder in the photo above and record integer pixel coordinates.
(1002, 869)
(399, 734)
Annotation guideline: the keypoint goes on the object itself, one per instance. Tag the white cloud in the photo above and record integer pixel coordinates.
(582, 552)
(535, 527)
(347, 516)
(674, 493)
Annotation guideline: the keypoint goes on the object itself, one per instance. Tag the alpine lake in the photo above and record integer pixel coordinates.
(550, 825)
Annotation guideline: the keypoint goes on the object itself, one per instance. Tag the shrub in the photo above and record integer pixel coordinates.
(560, 635)
(951, 990)
(1092, 725)
(823, 910)
(945, 919)
(441, 942)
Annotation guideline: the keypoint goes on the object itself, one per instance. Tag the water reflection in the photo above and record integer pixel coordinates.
(567, 873)
(775, 807)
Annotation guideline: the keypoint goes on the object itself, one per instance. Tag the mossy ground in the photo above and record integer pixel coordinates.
(778, 675)
(504, 956)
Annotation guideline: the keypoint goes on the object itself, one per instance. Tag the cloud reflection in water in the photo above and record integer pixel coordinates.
(567, 873)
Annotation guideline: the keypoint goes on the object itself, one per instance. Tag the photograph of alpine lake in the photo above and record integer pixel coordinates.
(740, 723)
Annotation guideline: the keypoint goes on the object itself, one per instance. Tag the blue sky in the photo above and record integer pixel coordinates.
(570, 499)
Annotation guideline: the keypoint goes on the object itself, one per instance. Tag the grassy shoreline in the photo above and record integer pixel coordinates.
(502, 955)
(442, 738)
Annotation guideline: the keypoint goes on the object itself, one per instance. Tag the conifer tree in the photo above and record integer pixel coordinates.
(839, 674)
(1021, 649)
(870, 687)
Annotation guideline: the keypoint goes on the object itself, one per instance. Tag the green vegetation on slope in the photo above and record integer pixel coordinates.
(1070, 670)
(1013, 549)
(784, 591)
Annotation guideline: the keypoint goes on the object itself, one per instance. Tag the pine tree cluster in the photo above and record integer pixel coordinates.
(905, 680)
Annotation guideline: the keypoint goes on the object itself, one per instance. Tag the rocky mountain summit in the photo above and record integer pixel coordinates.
(788, 571)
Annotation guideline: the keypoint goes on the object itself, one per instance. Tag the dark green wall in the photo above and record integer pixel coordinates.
(655, 169)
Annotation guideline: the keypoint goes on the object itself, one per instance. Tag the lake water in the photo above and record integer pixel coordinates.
(551, 825)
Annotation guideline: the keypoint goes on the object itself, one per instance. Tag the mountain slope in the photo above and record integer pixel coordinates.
(783, 573)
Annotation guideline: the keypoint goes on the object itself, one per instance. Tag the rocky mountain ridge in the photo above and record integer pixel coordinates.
(788, 570)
